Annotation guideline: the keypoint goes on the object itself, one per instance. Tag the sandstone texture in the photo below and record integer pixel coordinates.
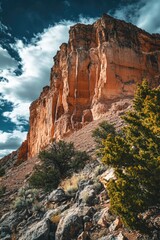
(101, 63)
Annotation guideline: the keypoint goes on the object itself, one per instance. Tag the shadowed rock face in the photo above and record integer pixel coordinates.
(101, 63)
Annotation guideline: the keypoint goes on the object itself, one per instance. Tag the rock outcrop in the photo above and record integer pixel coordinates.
(101, 63)
(62, 215)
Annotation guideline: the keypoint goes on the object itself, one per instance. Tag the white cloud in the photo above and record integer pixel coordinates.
(144, 14)
(5, 152)
(6, 61)
(19, 115)
(149, 16)
(10, 141)
(36, 60)
(36, 63)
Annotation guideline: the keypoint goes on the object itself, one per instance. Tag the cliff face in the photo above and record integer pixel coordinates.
(101, 63)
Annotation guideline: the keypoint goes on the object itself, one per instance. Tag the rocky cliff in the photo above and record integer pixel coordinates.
(101, 63)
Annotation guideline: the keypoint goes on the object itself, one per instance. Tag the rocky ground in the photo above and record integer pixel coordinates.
(79, 209)
(70, 212)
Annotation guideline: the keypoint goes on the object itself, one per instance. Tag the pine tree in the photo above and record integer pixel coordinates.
(135, 157)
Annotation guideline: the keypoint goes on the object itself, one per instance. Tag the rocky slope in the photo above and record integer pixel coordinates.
(16, 176)
(101, 63)
(74, 212)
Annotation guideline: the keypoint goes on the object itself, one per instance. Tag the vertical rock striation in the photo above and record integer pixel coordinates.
(101, 63)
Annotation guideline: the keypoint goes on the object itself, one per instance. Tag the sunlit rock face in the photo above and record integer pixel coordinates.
(101, 63)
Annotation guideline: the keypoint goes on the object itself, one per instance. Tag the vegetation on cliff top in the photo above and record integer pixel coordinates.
(135, 156)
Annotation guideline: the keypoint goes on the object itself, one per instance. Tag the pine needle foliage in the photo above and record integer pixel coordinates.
(135, 157)
(102, 132)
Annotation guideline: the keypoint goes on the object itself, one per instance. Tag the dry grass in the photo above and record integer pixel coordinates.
(55, 218)
(71, 185)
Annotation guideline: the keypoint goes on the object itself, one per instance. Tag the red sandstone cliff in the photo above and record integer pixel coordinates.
(100, 63)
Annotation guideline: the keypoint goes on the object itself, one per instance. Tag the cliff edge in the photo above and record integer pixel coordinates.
(101, 63)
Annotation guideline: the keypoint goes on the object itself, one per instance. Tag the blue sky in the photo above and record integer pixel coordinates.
(30, 34)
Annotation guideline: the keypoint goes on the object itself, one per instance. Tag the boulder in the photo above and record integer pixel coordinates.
(37, 231)
(8, 237)
(108, 237)
(5, 232)
(113, 237)
(87, 196)
(107, 175)
(84, 183)
(83, 236)
(104, 217)
(9, 221)
(71, 224)
(121, 237)
(69, 227)
(57, 195)
(115, 225)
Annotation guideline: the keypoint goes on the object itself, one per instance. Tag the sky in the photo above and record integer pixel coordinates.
(31, 32)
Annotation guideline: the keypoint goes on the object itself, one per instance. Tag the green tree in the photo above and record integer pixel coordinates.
(45, 177)
(135, 157)
(102, 132)
(57, 162)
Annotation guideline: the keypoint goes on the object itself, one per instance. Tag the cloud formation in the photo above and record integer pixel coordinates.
(6, 61)
(10, 141)
(149, 16)
(144, 14)
(18, 115)
(36, 61)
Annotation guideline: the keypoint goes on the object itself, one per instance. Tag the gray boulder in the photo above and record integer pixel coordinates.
(103, 217)
(87, 196)
(108, 237)
(9, 222)
(44, 229)
(8, 237)
(57, 195)
(113, 237)
(10, 219)
(83, 183)
(37, 231)
(71, 224)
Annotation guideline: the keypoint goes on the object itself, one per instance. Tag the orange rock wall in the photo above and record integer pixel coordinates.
(22, 153)
(100, 63)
